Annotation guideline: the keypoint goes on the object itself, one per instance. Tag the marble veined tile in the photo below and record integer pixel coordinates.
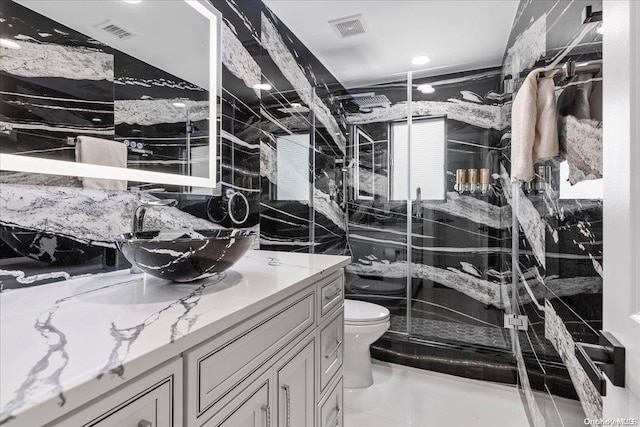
(286, 62)
(556, 332)
(479, 289)
(583, 139)
(237, 59)
(148, 112)
(480, 115)
(529, 46)
(55, 60)
(471, 208)
(88, 215)
(528, 217)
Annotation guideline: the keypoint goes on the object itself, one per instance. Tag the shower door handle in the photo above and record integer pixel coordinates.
(418, 203)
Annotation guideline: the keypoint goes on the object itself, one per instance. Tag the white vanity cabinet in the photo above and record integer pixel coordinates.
(272, 369)
(276, 362)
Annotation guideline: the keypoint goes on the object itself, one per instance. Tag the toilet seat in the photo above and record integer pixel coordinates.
(360, 313)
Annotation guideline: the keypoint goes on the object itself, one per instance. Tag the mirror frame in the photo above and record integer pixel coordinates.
(18, 163)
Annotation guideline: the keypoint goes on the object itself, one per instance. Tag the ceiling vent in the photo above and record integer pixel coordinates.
(349, 26)
(372, 101)
(114, 30)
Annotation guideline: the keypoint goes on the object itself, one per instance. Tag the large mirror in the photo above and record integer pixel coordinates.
(110, 94)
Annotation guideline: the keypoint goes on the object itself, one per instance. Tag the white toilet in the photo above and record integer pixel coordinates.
(363, 324)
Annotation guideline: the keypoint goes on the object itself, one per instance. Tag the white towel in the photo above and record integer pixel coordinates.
(534, 128)
(97, 151)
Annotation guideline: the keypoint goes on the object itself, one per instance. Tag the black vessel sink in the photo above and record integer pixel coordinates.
(185, 255)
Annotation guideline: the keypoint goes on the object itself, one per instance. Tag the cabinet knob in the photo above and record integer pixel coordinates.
(145, 423)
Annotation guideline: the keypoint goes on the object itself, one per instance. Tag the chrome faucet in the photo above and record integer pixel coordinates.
(137, 223)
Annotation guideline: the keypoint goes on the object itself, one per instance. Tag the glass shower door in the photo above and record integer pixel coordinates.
(458, 291)
(376, 219)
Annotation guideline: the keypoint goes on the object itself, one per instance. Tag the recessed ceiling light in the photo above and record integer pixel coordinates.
(296, 104)
(262, 86)
(132, 1)
(9, 44)
(179, 104)
(420, 60)
(426, 88)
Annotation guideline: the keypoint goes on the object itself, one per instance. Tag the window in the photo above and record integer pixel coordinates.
(428, 145)
(292, 175)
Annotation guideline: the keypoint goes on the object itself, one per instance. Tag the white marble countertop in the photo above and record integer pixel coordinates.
(65, 343)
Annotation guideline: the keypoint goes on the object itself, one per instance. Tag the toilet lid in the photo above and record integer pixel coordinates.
(360, 312)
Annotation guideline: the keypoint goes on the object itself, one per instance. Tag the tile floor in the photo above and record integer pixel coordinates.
(408, 397)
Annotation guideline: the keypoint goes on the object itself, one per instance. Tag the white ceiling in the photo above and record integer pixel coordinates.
(159, 28)
(458, 35)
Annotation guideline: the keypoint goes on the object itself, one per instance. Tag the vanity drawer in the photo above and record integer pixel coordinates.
(331, 293)
(331, 338)
(221, 364)
(330, 411)
(154, 400)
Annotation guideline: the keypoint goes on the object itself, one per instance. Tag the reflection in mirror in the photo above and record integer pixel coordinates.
(365, 165)
(106, 84)
(372, 165)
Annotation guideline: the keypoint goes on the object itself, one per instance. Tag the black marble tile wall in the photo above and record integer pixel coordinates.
(303, 143)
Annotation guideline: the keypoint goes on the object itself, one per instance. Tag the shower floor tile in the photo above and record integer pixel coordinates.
(403, 396)
(451, 332)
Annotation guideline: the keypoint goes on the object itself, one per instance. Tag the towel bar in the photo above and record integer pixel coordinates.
(606, 358)
(71, 140)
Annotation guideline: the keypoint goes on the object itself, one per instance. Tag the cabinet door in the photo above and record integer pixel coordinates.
(296, 389)
(248, 411)
(331, 336)
(330, 411)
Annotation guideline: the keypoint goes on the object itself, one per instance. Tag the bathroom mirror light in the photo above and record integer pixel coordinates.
(420, 60)
(211, 82)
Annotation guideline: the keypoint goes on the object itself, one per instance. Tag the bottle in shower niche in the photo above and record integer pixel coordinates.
(543, 178)
(461, 181)
(485, 181)
(472, 181)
